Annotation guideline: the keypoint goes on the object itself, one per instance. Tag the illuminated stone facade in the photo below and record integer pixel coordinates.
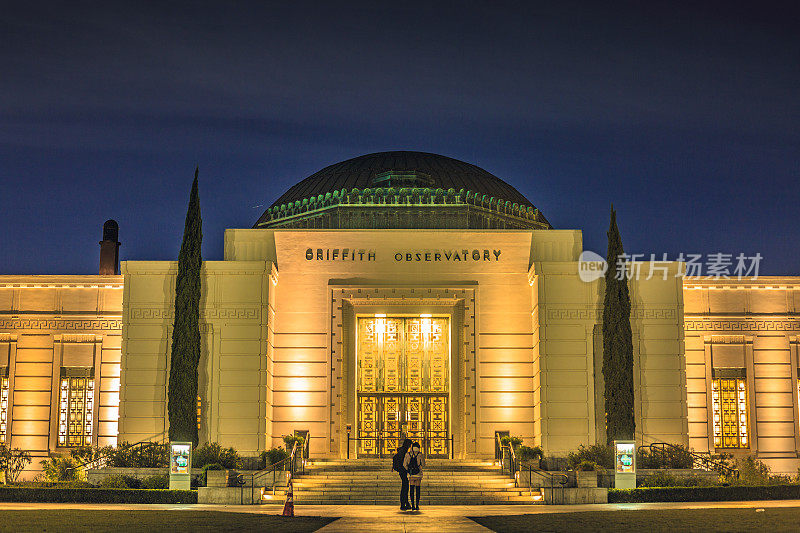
(358, 313)
(60, 339)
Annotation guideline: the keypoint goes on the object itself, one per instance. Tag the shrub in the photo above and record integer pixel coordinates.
(514, 442)
(91, 495)
(275, 455)
(117, 481)
(60, 469)
(12, 462)
(703, 494)
(213, 453)
(587, 466)
(599, 454)
(666, 479)
(156, 482)
(753, 472)
(671, 457)
(148, 455)
(527, 453)
(289, 440)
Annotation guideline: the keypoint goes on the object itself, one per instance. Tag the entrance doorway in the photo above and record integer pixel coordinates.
(403, 384)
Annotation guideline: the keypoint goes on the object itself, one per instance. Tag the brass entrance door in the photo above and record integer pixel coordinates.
(402, 389)
(421, 418)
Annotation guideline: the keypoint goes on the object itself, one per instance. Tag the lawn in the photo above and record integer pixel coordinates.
(152, 521)
(774, 520)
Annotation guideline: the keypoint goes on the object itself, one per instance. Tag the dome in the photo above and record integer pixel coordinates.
(397, 190)
(444, 172)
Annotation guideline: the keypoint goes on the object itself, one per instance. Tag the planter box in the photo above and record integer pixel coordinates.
(586, 479)
(574, 496)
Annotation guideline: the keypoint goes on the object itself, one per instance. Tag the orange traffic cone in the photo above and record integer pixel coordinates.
(288, 505)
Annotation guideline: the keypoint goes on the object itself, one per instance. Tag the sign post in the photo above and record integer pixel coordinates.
(180, 465)
(624, 464)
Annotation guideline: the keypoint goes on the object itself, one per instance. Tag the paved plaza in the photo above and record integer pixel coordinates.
(386, 519)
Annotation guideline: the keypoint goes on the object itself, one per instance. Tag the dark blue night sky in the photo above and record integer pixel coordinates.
(686, 118)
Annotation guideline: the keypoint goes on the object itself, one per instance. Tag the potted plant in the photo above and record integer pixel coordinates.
(586, 474)
(290, 440)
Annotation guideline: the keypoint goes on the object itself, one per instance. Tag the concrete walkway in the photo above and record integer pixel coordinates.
(385, 519)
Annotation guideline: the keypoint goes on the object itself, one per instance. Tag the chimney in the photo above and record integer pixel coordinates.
(109, 249)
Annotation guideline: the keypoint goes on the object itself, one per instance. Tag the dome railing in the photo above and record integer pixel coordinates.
(405, 196)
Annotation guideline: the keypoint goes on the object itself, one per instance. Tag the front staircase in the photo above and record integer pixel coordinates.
(371, 482)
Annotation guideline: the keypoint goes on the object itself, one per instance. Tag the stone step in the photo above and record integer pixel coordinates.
(465, 477)
(363, 495)
(521, 500)
(396, 483)
(373, 486)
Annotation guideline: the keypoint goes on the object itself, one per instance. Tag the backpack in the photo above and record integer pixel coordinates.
(397, 461)
(413, 466)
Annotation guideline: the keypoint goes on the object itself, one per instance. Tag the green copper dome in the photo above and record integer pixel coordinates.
(403, 190)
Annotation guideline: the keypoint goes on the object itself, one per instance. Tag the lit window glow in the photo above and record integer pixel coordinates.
(75, 411)
(729, 404)
(3, 406)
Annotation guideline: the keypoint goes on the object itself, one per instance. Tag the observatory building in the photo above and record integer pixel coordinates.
(400, 294)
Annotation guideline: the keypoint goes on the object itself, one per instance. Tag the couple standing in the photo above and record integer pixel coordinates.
(409, 462)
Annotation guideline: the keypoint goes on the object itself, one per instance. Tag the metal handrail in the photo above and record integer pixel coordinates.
(700, 461)
(381, 437)
(561, 477)
(512, 456)
(285, 465)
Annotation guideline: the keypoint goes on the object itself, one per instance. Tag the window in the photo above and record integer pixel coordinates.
(3, 404)
(729, 403)
(75, 407)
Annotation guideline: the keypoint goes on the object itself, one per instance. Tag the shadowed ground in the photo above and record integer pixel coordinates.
(97, 520)
(773, 520)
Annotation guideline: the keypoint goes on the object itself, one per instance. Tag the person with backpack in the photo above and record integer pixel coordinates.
(414, 463)
(397, 465)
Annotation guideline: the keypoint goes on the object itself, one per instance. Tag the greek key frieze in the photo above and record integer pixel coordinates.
(742, 325)
(61, 324)
(597, 314)
(151, 313)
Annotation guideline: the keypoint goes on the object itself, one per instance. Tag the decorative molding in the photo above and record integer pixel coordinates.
(80, 338)
(597, 313)
(152, 313)
(404, 301)
(742, 325)
(726, 339)
(60, 324)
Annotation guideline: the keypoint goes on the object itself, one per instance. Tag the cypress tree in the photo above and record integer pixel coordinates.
(617, 343)
(185, 355)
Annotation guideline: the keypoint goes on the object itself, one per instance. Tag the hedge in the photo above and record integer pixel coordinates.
(703, 494)
(80, 495)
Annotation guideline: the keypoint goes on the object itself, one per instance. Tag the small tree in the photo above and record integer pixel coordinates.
(12, 462)
(185, 356)
(617, 342)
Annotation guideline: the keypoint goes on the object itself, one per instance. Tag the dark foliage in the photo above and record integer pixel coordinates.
(703, 494)
(212, 453)
(185, 355)
(617, 344)
(596, 453)
(143, 456)
(64, 495)
(672, 457)
(160, 481)
(275, 455)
